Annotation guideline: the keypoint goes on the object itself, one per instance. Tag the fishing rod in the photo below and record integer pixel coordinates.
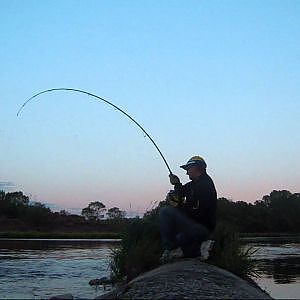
(101, 99)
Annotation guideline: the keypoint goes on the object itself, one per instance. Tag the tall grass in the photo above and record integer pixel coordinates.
(139, 251)
(229, 254)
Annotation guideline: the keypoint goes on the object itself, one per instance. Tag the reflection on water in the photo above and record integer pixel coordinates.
(35, 269)
(279, 267)
(282, 270)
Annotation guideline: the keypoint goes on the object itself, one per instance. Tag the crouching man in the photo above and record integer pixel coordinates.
(190, 215)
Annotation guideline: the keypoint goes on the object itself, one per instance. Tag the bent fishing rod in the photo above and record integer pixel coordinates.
(99, 99)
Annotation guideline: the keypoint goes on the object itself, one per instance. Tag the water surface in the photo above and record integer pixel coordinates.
(278, 264)
(35, 269)
(40, 269)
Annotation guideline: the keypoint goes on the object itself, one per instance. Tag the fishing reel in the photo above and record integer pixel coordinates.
(173, 199)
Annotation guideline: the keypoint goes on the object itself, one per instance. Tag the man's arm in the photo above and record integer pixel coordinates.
(180, 189)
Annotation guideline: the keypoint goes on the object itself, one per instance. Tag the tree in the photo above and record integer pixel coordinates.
(115, 213)
(38, 214)
(18, 198)
(284, 208)
(94, 211)
(88, 214)
(13, 205)
(64, 213)
(2, 195)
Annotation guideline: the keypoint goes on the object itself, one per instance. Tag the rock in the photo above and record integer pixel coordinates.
(64, 296)
(188, 279)
(100, 281)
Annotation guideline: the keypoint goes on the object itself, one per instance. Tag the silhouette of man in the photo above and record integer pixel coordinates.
(190, 215)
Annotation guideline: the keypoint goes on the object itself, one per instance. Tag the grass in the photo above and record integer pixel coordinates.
(139, 250)
(59, 235)
(229, 254)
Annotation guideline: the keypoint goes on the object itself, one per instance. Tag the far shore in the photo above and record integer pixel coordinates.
(270, 237)
(244, 237)
(58, 235)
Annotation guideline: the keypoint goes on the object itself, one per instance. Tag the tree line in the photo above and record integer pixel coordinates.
(277, 212)
(35, 215)
(16, 205)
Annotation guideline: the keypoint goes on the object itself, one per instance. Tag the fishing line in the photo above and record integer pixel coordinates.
(101, 99)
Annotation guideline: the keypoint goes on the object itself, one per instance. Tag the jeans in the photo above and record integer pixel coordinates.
(178, 230)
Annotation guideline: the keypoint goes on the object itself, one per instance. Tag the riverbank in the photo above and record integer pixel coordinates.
(269, 237)
(58, 235)
(269, 234)
(65, 227)
(245, 237)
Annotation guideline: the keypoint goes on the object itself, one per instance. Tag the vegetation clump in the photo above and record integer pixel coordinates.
(228, 252)
(139, 250)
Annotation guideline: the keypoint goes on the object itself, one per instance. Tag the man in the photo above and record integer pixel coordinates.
(190, 215)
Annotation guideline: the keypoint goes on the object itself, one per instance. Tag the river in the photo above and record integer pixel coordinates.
(39, 269)
(278, 263)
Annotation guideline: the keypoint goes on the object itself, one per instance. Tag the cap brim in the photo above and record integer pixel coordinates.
(187, 166)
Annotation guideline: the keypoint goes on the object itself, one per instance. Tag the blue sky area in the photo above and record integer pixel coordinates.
(220, 79)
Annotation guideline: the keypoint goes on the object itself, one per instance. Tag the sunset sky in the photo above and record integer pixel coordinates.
(220, 79)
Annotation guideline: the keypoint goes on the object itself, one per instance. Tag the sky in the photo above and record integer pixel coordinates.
(219, 79)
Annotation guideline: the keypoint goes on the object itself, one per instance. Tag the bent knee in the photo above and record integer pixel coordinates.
(166, 210)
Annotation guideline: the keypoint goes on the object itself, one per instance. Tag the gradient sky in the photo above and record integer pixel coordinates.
(220, 79)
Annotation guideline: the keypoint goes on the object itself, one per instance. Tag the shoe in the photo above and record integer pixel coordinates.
(205, 249)
(171, 255)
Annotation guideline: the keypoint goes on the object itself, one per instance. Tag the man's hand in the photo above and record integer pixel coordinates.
(174, 179)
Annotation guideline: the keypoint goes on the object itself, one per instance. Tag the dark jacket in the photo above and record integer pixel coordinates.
(200, 200)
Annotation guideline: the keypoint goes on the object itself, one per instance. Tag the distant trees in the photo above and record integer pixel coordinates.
(38, 214)
(17, 212)
(64, 213)
(94, 211)
(13, 204)
(277, 212)
(17, 205)
(115, 213)
(281, 211)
